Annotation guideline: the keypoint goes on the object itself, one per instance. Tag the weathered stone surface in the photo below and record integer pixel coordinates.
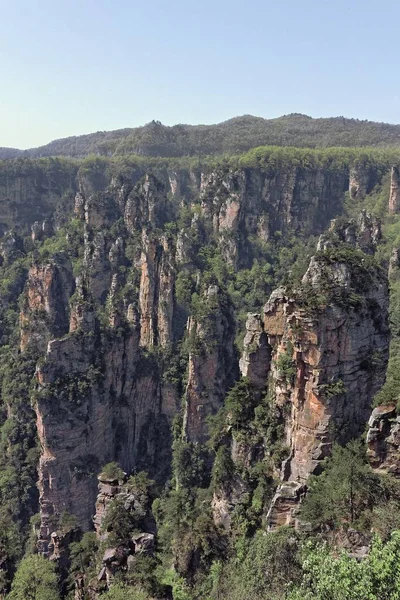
(318, 367)
(364, 233)
(105, 416)
(330, 392)
(383, 439)
(284, 507)
(256, 356)
(108, 490)
(226, 499)
(212, 367)
(394, 194)
(359, 182)
(45, 310)
(156, 300)
(100, 394)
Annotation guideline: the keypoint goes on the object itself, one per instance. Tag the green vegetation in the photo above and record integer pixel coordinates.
(329, 575)
(121, 591)
(113, 472)
(349, 493)
(262, 570)
(232, 136)
(35, 579)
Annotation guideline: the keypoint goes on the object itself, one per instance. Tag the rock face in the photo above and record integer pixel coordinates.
(156, 299)
(362, 179)
(91, 411)
(119, 491)
(32, 192)
(383, 439)
(255, 361)
(109, 489)
(212, 367)
(321, 365)
(363, 233)
(328, 359)
(45, 310)
(394, 195)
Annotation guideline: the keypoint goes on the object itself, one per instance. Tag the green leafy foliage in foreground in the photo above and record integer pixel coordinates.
(330, 575)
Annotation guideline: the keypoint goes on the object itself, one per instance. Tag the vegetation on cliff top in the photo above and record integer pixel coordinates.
(271, 158)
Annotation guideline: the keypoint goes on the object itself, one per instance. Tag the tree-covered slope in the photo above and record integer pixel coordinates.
(233, 136)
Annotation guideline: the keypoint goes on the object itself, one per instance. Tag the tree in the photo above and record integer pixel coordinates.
(35, 579)
(263, 569)
(345, 488)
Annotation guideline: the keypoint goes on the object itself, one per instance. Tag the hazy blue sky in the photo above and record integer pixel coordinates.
(76, 66)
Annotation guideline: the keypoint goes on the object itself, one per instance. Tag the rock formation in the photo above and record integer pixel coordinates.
(321, 339)
(102, 315)
(383, 439)
(211, 363)
(394, 195)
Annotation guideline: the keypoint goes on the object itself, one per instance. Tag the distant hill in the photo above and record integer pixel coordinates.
(233, 136)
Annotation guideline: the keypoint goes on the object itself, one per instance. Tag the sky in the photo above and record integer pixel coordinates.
(69, 67)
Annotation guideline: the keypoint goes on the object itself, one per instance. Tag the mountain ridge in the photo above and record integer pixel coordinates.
(234, 135)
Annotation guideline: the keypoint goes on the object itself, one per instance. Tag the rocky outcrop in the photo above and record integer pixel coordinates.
(285, 505)
(212, 367)
(255, 361)
(226, 499)
(33, 191)
(383, 439)
(394, 194)
(45, 310)
(363, 233)
(105, 338)
(156, 300)
(97, 400)
(323, 354)
(117, 490)
(363, 177)
(109, 489)
(321, 362)
(147, 204)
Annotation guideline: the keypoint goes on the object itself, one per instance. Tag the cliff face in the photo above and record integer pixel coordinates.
(383, 439)
(235, 202)
(212, 366)
(331, 391)
(33, 191)
(101, 309)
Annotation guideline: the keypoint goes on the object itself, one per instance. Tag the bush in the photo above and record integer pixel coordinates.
(113, 472)
(121, 591)
(332, 576)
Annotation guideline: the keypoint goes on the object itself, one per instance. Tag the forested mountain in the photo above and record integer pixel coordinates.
(233, 136)
(199, 373)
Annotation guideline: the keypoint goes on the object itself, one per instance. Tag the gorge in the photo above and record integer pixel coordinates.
(184, 342)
